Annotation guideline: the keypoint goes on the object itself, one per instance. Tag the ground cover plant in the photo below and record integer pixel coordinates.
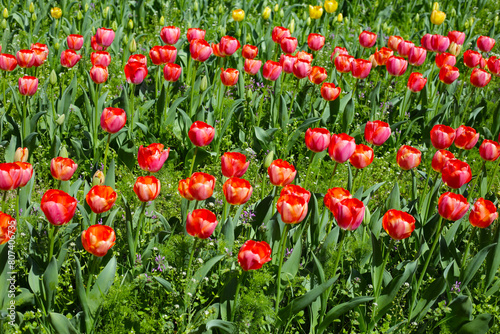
(249, 167)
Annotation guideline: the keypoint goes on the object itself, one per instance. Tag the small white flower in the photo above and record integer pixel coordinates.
(200, 260)
(370, 286)
(190, 294)
(193, 280)
(375, 304)
(183, 273)
(207, 313)
(176, 306)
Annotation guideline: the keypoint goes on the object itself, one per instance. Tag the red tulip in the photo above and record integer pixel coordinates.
(302, 55)
(234, 164)
(292, 209)
(113, 119)
(318, 75)
(75, 42)
(337, 52)
(381, 56)
(471, 58)
(393, 42)
(170, 35)
(281, 173)
(440, 159)
(426, 42)
(362, 156)
(26, 172)
(367, 39)
(201, 186)
(302, 69)
(25, 58)
(457, 37)
(28, 85)
(138, 58)
(99, 74)
(315, 41)
(292, 189)
(21, 154)
(155, 55)
(485, 43)
(289, 44)
(104, 37)
(201, 134)
(341, 147)
(398, 224)
(408, 157)
(95, 46)
(466, 137)
(334, 196)
(489, 150)
(416, 82)
(10, 176)
(361, 68)
(448, 74)
(195, 33)
(456, 173)
(445, 59)
(62, 168)
(58, 207)
(253, 255)
(249, 51)
(396, 66)
(172, 72)
(69, 58)
(440, 43)
(229, 45)
(480, 78)
(135, 73)
(417, 55)
(404, 48)
(483, 213)
(279, 33)
(201, 223)
(101, 198)
(442, 136)
(40, 55)
(287, 62)
(329, 92)
(493, 65)
(271, 70)
(217, 50)
(183, 189)
(252, 66)
(8, 228)
(152, 158)
(102, 58)
(317, 139)
(98, 239)
(229, 77)
(377, 132)
(343, 63)
(200, 50)
(7, 62)
(147, 188)
(452, 206)
(237, 191)
(349, 213)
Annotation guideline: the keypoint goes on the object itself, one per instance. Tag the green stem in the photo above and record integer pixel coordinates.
(106, 154)
(193, 81)
(465, 112)
(479, 173)
(333, 174)
(51, 240)
(378, 285)
(237, 294)
(339, 252)
(313, 154)
(464, 258)
(226, 206)
(96, 117)
(281, 255)
(167, 102)
(139, 226)
(361, 178)
(192, 162)
(132, 110)
(188, 276)
(23, 123)
(494, 175)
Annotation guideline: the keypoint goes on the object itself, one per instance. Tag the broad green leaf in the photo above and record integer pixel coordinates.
(50, 281)
(102, 285)
(394, 200)
(291, 266)
(480, 325)
(202, 272)
(225, 326)
(340, 309)
(62, 324)
(428, 298)
(493, 260)
(164, 283)
(110, 175)
(474, 265)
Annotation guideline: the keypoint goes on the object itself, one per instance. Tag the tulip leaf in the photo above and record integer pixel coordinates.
(291, 266)
(110, 175)
(394, 200)
(348, 115)
(265, 137)
(428, 298)
(202, 272)
(102, 285)
(82, 295)
(474, 265)
(461, 312)
(62, 324)
(299, 131)
(341, 309)
(172, 111)
(480, 325)
(164, 283)
(50, 281)
(10, 151)
(225, 326)
(493, 260)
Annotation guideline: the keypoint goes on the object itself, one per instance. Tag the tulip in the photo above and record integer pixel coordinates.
(287, 62)
(417, 55)
(440, 159)
(317, 139)
(315, 12)
(249, 51)
(39, 55)
(152, 158)
(266, 13)
(279, 33)
(183, 189)
(69, 58)
(217, 51)
(138, 58)
(341, 147)
(362, 156)
(98, 239)
(253, 254)
(26, 172)
(25, 58)
(408, 157)
(440, 43)
(448, 74)
(195, 33)
(10, 176)
(456, 173)
(493, 65)
(471, 58)
(170, 35)
(485, 43)
(416, 82)
(101, 198)
(238, 15)
(437, 17)
(58, 207)
(404, 48)
(289, 44)
(95, 46)
(334, 196)
(331, 6)
(367, 39)
(21, 154)
(200, 50)
(292, 209)
(229, 77)
(237, 191)
(398, 224)
(104, 37)
(393, 42)
(483, 213)
(442, 136)
(229, 45)
(343, 63)
(172, 72)
(56, 12)
(201, 186)
(318, 75)
(75, 42)
(102, 58)
(302, 55)
(466, 137)
(480, 78)
(234, 164)
(426, 42)
(381, 56)
(252, 66)
(201, 223)
(62, 168)
(281, 173)
(337, 52)
(7, 62)
(455, 49)
(113, 119)
(377, 132)
(457, 37)
(135, 73)
(8, 228)
(99, 74)
(445, 59)
(201, 134)
(28, 85)
(147, 188)
(396, 66)
(315, 41)
(452, 206)
(361, 68)
(292, 189)
(329, 92)
(489, 150)
(349, 213)
(155, 55)
(271, 70)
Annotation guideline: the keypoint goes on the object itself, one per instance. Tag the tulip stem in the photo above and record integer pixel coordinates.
(464, 258)
(132, 110)
(360, 183)
(380, 279)
(281, 254)
(430, 198)
(339, 252)
(4, 201)
(4, 106)
(51, 240)
(313, 154)
(188, 276)
(333, 174)
(139, 226)
(167, 102)
(465, 112)
(193, 81)
(192, 162)
(493, 178)
(479, 173)
(237, 294)
(23, 122)
(95, 121)
(226, 206)
(106, 153)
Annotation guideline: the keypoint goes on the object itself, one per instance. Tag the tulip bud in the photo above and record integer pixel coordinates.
(308, 21)
(211, 10)
(249, 94)
(105, 12)
(195, 6)
(269, 159)
(266, 13)
(453, 12)
(203, 83)
(249, 38)
(79, 15)
(435, 6)
(340, 17)
(98, 179)
(56, 46)
(304, 16)
(53, 78)
(466, 24)
(222, 30)
(5, 13)
(21, 154)
(125, 40)
(238, 33)
(276, 7)
(282, 13)
(291, 26)
(496, 19)
(221, 9)
(162, 20)
(417, 18)
(385, 26)
(33, 17)
(114, 25)
(63, 152)
(346, 20)
(130, 24)
(132, 47)
(86, 7)
(60, 119)
(3, 25)
(93, 30)
(32, 8)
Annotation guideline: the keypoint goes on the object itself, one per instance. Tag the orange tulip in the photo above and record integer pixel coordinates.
(101, 198)
(292, 189)
(452, 206)
(398, 224)
(440, 159)
(58, 207)
(317, 139)
(201, 223)
(152, 158)
(448, 74)
(26, 172)
(195, 33)
(201, 186)
(416, 82)
(237, 191)
(483, 213)
(334, 196)
(69, 58)
(292, 208)
(318, 75)
(183, 189)
(362, 156)
(466, 137)
(147, 188)
(329, 91)
(98, 239)
(75, 42)
(281, 173)
(62, 168)
(349, 213)
(249, 51)
(7, 227)
(394, 42)
(102, 58)
(377, 132)
(408, 157)
(229, 77)
(382, 55)
(172, 72)
(234, 164)
(253, 255)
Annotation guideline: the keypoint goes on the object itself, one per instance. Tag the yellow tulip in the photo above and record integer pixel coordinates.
(331, 6)
(437, 17)
(315, 12)
(238, 15)
(340, 17)
(435, 6)
(56, 12)
(276, 7)
(266, 13)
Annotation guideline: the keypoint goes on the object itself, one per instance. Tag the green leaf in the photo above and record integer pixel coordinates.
(481, 324)
(202, 272)
(62, 324)
(291, 266)
(493, 260)
(265, 137)
(338, 310)
(50, 281)
(474, 265)
(164, 283)
(461, 311)
(394, 200)
(82, 295)
(228, 232)
(428, 298)
(110, 175)
(102, 285)
(300, 129)
(348, 116)
(224, 326)
(10, 151)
